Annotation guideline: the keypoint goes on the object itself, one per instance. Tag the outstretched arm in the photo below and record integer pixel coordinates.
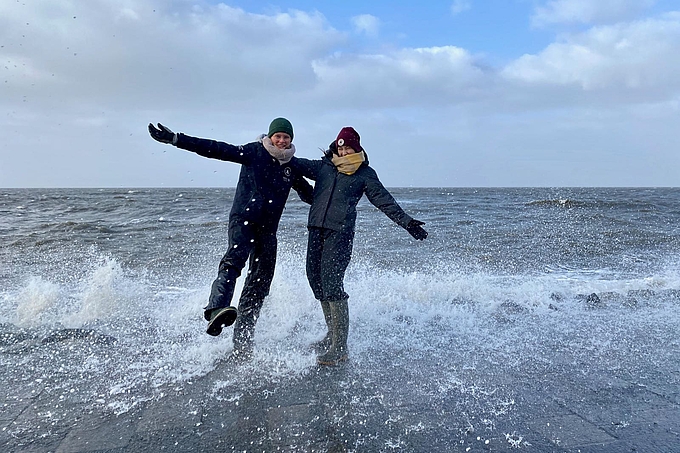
(382, 199)
(201, 146)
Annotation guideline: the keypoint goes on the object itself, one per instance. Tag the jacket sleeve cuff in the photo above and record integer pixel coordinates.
(405, 221)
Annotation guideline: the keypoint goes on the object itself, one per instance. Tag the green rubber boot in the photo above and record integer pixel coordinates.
(340, 328)
(322, 345)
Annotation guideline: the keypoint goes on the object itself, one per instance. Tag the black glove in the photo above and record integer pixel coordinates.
(162, 134)
(415, 230)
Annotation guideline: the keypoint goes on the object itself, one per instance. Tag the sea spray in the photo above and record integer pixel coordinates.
(34, 300)
(101, 296)
(492, 309)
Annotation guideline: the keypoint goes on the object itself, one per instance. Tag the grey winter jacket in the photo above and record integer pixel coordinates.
(336, 194)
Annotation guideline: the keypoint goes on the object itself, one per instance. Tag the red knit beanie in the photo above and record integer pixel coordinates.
(349, 137)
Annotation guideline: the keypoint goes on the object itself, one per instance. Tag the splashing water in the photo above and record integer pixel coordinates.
(114, 317)
(34, 300)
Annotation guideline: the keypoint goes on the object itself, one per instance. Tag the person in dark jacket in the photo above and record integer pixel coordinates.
(342, 177)
(265, 180)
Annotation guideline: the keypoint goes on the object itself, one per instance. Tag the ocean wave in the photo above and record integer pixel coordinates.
(603, 205)
(562, 203)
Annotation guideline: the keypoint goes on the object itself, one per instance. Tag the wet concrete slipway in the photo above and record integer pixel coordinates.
(453, 395)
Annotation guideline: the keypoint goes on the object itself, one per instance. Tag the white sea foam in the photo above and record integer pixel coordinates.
(34, 300)
(101, 295)
(478, 317)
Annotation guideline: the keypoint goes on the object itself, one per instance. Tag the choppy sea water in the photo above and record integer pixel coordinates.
(101, 295)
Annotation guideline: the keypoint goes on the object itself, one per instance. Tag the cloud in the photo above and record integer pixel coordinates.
(80, 81)
(151, 55)
(366, 23)
(402, 78)
(587, 11)
(633, 58)
(459, 6)
(137, 53)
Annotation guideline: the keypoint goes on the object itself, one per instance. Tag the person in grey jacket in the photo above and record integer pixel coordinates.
(266, 177)
(342, 177)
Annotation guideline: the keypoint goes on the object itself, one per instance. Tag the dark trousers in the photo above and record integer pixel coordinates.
(328, 255)
(257, 245)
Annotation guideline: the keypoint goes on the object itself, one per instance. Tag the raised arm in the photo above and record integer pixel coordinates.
(215, 150)
(201, 146)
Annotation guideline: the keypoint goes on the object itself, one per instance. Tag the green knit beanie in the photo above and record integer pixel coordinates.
(280, 125)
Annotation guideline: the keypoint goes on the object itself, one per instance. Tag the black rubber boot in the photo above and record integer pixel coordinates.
(340, 322)
(219, 318)
(322, 345)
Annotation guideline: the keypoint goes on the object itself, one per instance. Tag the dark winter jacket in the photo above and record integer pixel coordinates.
(336, 194)
(263, 184)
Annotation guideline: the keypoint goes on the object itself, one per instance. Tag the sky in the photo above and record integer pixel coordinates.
(455, 93)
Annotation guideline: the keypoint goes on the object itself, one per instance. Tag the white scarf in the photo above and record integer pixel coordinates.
(282, 155)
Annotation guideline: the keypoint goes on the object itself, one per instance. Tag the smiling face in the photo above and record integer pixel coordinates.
(281, 140)
(344, 150)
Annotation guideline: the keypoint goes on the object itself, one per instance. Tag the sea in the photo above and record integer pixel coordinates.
(102, 290)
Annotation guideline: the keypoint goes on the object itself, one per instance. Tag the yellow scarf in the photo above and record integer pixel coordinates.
(349, 163)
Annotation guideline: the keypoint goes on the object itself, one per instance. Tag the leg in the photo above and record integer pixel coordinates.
(322, 345)
(256, 288)
(315, 243)
(335, 259)
(338, 351)
(218, 312)
(314, 254)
